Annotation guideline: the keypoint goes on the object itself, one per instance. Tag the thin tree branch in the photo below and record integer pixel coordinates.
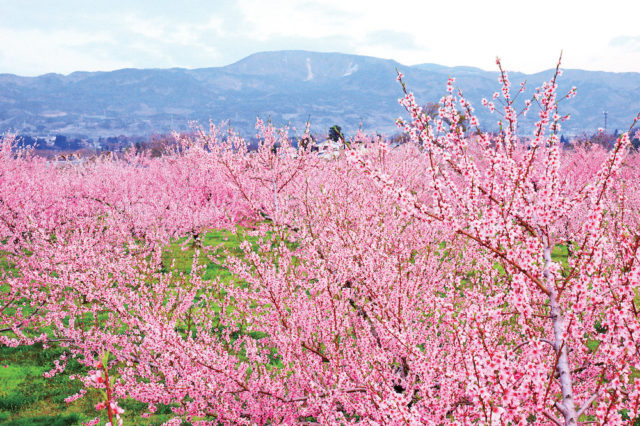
(551, 417)
(588, 402)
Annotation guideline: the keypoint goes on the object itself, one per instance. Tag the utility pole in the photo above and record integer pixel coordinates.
(605, 113)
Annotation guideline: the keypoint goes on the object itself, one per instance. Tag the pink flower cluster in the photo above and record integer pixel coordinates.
(461, 278)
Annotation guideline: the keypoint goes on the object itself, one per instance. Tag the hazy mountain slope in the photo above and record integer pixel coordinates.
(286, 87)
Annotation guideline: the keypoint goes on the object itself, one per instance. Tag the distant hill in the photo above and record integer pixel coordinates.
(285, 87)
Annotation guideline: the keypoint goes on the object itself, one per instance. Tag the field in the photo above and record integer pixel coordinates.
(28, 398)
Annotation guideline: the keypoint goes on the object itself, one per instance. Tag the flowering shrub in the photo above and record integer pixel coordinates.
(420, 284)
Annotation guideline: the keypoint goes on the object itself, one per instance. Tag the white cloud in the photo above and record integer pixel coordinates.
(149, 28)
(528, 36)
(627, 44)
(295, 19)
(33, 51)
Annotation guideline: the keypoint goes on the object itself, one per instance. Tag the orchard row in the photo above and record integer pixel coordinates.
(460, 278)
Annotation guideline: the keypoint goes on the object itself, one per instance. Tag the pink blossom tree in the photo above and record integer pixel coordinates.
(540, 338)
(416, 285)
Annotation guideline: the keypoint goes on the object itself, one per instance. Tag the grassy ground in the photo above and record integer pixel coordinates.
(28, 398)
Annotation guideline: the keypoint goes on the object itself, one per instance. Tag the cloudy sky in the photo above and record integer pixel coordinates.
(41, 36)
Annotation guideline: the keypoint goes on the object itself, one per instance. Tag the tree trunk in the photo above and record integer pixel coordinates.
(567, 407)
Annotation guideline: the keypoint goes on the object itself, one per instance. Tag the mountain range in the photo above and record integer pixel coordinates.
(285, 87)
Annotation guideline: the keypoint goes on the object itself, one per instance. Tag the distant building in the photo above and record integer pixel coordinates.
(330, 149)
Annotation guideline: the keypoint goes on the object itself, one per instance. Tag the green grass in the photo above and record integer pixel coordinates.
(28, 398)
(182, 260)
(560, 254)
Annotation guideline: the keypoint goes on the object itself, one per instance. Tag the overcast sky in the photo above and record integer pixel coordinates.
(39, 36)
